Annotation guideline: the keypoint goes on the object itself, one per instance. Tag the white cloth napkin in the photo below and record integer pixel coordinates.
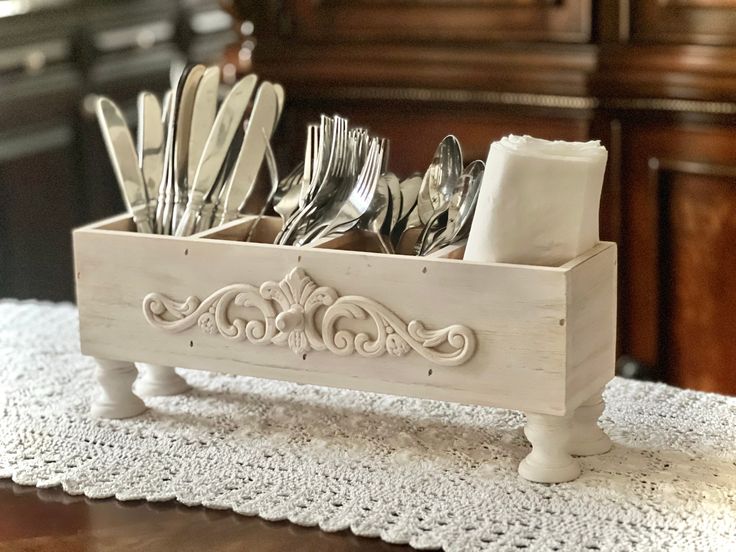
(538, 202)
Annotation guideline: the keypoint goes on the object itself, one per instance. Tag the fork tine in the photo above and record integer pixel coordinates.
(363, 176)
(374, 174)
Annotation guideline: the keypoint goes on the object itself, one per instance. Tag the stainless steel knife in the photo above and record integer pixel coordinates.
(203, 117)
(280, 99)
(181, 140)
(250, 158)
(165, 207)
(150, 146)
(215, 151)
(121, 150)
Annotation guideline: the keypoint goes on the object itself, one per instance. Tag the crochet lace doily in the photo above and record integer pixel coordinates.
(427, 473)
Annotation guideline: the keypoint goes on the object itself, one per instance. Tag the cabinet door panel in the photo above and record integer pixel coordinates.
(698, 274)
(678, 204)
(38, 203)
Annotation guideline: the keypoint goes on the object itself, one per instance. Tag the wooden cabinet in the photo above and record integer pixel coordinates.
(54, 170)
(37, 170)
(653, 79)
(39, 156)
(679, 292)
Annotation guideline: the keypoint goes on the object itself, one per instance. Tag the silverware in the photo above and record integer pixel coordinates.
(409, 194)
(165, 105)
(274, 176)
(331, 136)
(288, 204)
(182, 141)
(213, 157)
(280, 99)
(165, 206)
(460, 210)
(360, 196)
(204, 112)
(120, 148)
(443, 174)
(375, 216)
(438, 184)
(150, 146)
(461, 224)
(250, 158)
(394, 207)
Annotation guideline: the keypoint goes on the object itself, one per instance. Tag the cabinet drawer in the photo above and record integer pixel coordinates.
(430, 20)
(684, 21)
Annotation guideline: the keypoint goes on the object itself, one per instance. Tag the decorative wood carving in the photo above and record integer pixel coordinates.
(288, 318)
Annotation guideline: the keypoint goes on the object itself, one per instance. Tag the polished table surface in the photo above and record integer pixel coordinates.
(48, 519)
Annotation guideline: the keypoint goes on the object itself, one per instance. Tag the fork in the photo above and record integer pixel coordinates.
(360, 197)
(324, 181)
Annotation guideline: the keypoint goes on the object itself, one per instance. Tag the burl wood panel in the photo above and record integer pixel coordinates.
(684, 21)
(698, 276)
(653, 315)
(482, 20)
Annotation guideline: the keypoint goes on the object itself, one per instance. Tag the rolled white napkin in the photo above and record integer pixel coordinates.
(538, 203)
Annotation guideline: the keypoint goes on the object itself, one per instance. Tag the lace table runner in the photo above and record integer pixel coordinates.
(422, 472)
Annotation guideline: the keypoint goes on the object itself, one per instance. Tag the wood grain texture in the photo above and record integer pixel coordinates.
(49, 520)
(697, 333)
(684, 21)
(364, 20)
(666, 288)
(513, 310)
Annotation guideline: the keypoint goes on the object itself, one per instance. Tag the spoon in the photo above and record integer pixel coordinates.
(467, 207)
(462, 206)
(443, 173)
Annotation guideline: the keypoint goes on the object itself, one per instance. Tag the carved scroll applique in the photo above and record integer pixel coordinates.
(288, 318)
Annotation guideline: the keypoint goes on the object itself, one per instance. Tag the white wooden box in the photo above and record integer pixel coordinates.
(536, 339)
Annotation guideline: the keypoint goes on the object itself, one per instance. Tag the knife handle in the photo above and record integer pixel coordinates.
(187, 223)
(141, 218)
(204, 221)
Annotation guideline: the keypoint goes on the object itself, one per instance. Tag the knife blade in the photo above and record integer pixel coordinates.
(150, 146)
(280, 99)
(250, 158)
(216, 149)
(181, 141)
(203, 117)
(165, 207)
(121, 149)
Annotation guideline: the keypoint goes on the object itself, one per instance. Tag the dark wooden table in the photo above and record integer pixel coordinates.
(49, 519)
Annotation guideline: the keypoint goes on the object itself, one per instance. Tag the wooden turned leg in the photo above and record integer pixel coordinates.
(159, 381)
(587, 437)
(116, 398)
(549, 461)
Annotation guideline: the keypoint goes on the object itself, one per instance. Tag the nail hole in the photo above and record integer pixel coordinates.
(299, 259)
(191, 343)
(424, 270)
(186, 252)
(304, 356)
(429, 373)
(562, 322)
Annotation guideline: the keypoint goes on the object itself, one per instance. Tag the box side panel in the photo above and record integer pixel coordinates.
(514, 312)
(591, 326)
